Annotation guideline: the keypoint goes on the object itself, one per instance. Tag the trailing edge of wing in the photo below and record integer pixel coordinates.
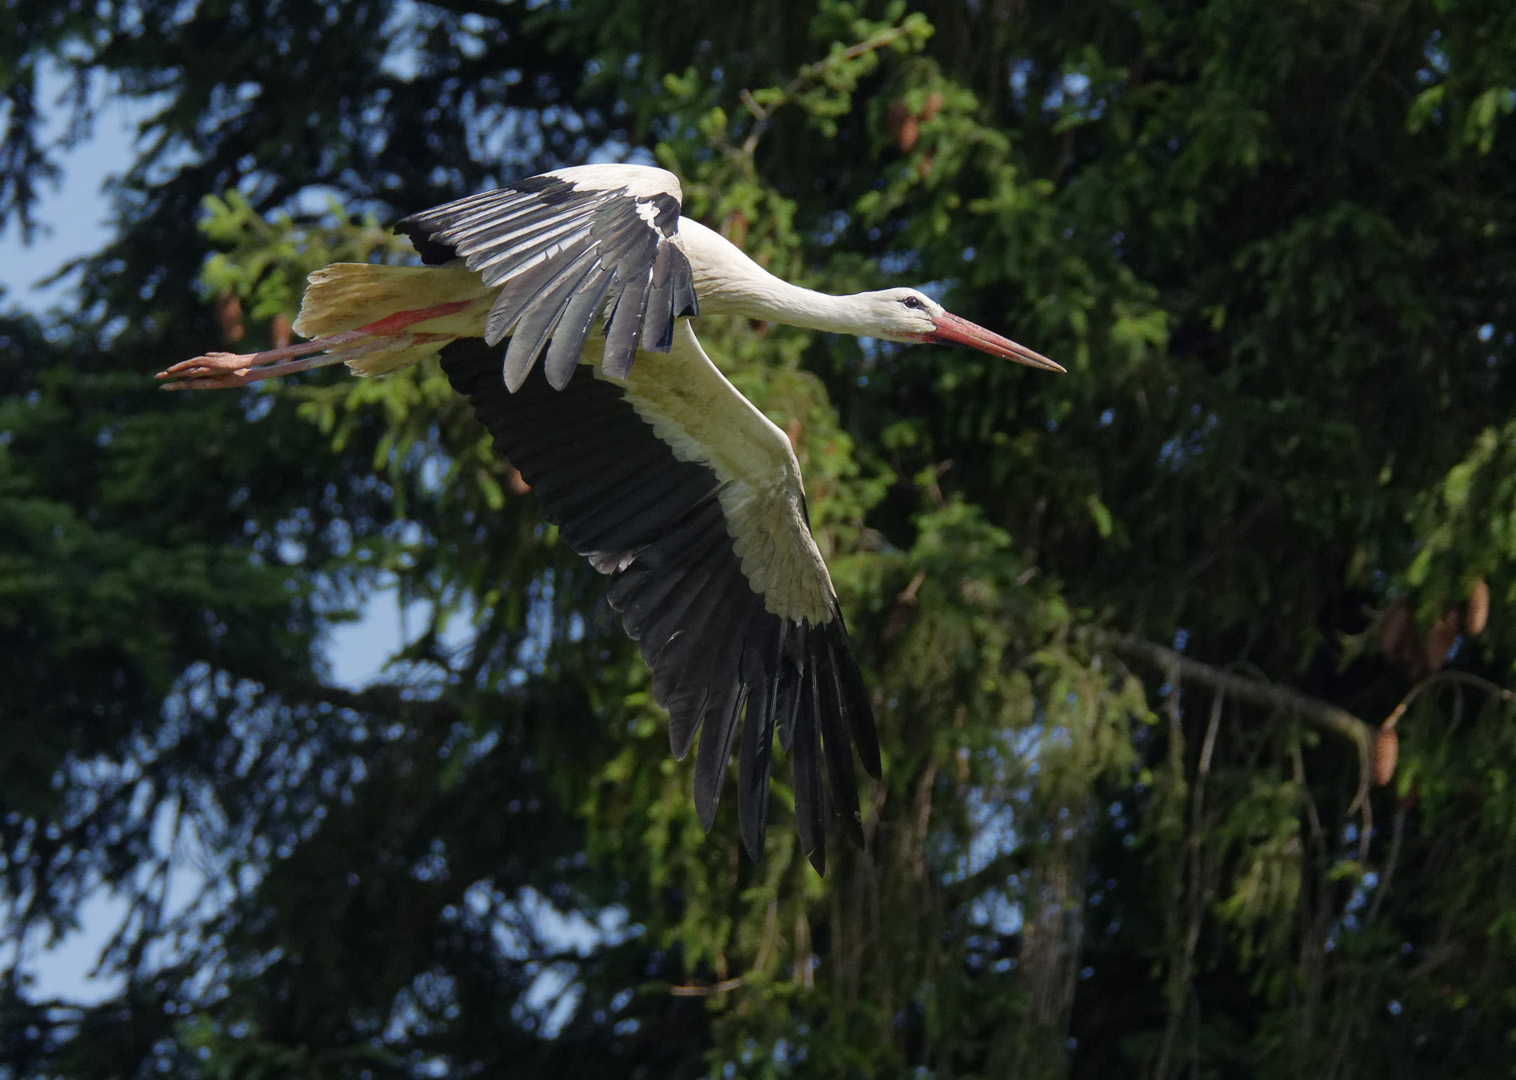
(723, 665)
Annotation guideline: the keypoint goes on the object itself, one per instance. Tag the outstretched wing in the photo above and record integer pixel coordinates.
(568, 248)
(721, 660)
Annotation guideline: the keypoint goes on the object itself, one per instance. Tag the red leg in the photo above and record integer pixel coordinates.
(221, 370)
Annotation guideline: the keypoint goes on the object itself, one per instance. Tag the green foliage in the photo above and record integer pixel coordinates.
(1274, 244)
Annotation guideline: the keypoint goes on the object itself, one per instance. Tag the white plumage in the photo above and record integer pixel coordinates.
(561, 307)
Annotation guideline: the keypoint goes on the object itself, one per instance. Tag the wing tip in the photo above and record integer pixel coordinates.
(797, 681)
(817, 859)
(857, 706)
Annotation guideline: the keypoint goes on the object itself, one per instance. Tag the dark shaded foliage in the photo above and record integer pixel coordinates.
(1275, 246)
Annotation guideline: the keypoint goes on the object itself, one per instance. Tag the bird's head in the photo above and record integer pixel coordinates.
(910, 315)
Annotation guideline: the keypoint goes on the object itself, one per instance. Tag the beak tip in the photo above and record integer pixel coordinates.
(958, 331)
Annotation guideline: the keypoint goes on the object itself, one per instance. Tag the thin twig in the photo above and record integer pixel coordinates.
(1465, 678)
(762, 116)
(1374, 65)
(1234, 531)
(724, 986)
(1297, 762)
(1176, 757)
(1391, 860)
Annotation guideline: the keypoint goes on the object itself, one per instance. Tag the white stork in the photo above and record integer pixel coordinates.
(661, 473)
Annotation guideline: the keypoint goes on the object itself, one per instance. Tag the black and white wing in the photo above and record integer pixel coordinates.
(721, 660)
(568, 248)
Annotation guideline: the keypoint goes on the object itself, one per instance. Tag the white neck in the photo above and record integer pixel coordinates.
(730, 283)
(778, 301)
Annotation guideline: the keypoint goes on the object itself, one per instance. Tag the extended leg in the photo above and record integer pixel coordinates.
(226, 371)
(221, 370)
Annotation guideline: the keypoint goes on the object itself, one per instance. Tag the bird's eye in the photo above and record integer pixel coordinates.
(914, 303)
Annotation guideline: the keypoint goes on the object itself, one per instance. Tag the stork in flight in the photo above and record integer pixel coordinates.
(659, 471)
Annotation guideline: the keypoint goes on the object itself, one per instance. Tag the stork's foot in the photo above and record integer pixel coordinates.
(224, 371)
(218, 370)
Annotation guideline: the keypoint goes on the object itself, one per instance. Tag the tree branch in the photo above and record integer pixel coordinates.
(1318, 713)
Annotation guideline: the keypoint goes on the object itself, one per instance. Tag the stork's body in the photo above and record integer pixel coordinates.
(539, 299)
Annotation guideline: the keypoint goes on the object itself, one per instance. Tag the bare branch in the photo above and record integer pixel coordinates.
(725, 986)
(1320, 714)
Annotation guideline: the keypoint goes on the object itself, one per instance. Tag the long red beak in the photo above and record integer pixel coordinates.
(962, 332)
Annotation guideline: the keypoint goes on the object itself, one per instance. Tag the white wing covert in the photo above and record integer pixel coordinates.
(568, 248)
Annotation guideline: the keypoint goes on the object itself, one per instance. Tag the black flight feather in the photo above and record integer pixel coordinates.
(754, 759)
(531, 238)
(810, 820)
(842, 782)
(854, 696)
(719, 727)
(720, 659)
